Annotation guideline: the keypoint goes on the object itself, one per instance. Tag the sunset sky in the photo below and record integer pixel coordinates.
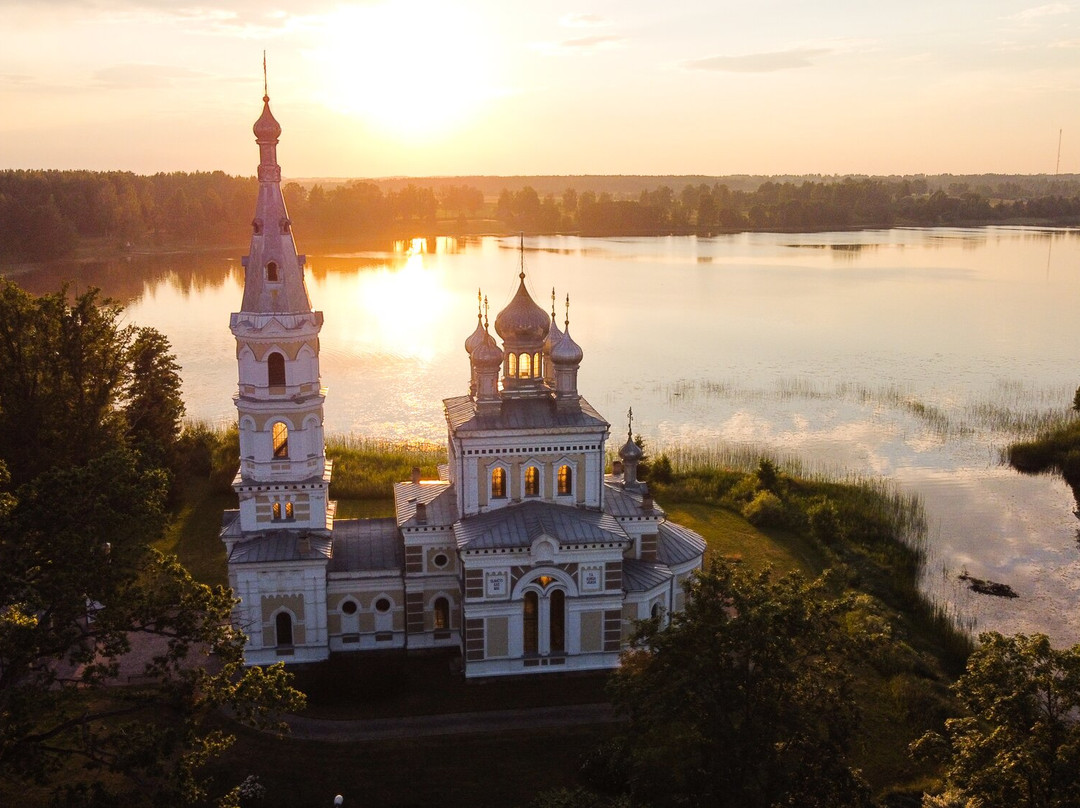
(437, 87)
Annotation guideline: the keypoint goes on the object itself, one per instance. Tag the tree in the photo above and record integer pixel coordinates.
(152, 403)
(81, 587)
(1018, 742)
(742, 700)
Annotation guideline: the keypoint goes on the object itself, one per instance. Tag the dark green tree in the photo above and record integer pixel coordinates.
(1018, 741)
(743, 700)
(153, 406)
(86, 604)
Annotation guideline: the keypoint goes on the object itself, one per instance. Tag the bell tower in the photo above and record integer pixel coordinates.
(284, 476)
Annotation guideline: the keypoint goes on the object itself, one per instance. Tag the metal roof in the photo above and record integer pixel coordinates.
(366, 544)
(676, 544)
(641, 576)
(520, 413)
(620, 502)
(281, 545)
(517, 526)
(436, 495)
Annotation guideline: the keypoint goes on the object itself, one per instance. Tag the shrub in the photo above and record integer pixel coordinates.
(764, 510)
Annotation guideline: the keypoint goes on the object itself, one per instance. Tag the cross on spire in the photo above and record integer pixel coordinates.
(630, 422)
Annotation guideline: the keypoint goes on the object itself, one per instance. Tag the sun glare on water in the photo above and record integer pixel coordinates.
(414, 69)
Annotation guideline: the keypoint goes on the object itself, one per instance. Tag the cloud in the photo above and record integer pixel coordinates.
(580, 20)
(758, 62)
(1049, 10)
(142, 76)
(590, 42)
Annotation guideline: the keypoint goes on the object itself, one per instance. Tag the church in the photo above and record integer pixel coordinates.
(524, 555)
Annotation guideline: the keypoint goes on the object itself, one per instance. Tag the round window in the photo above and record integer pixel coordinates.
(349, 607)
(382, 605)
(440, 560)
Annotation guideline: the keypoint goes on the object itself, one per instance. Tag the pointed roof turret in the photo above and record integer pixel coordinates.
(274, 272)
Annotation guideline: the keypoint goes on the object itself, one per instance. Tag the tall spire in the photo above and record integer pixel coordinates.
(274, 272)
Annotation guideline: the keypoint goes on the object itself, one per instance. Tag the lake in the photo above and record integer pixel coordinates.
(907, 354)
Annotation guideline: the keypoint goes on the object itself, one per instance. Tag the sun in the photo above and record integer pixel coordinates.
(415, 69)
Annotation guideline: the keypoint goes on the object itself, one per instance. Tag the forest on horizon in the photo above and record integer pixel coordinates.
(50, 214)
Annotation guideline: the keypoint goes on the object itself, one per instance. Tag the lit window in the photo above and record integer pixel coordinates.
(536, 366)
(281, 440)
(532, 481)
(566, 481)
(511, 369)
(271, 272)
(524, 366)
(498, 484)
(288, 510)
(275, 370)
(277, 510)
(442, 614)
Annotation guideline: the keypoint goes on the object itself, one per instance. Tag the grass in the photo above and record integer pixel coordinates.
(731, 536)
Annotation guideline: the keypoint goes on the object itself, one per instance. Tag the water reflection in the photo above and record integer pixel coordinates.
(912, 354)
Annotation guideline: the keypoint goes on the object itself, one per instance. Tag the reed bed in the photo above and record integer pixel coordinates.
(1013, 409)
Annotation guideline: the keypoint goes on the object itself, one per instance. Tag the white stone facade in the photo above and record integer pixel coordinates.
(523, 556)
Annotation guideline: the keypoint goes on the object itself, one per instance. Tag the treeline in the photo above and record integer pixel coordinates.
(849, 203)
(47, 214)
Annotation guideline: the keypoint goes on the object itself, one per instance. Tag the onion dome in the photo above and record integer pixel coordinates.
(522, 321)
(553, 337)
(566, 351)
(267, 128)
(630, 450)
(487, 354)
(476, 337)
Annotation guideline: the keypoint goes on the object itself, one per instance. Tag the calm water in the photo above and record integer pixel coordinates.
(896, 353)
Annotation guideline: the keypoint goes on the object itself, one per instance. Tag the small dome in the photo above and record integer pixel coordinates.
(522, 320)
(553, 337)
(630, 450)
(487, 353)
(566, 351)
(266, 128)
(476, 337)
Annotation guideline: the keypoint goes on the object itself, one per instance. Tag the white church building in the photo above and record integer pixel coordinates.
(524, 554)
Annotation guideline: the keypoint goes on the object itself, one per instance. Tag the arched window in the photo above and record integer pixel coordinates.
(442, 614)
(275, 370)
(532, 481)
(531, 625)
(271, 272)
(498, 483)
(288, 510)
(281, 440)
(536, 366)
(558, 621)
(511, 365)
(524, 366)
(655, 612)
(566, 481)
(277, 511)
(283, 625)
